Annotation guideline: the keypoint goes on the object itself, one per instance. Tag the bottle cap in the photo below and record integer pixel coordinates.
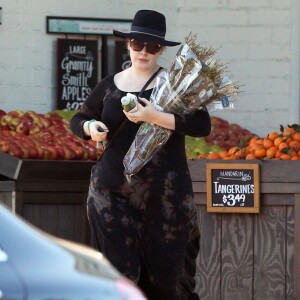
(131, 96)
(125, 100)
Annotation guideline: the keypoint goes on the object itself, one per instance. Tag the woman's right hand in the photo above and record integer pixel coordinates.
(97, 130)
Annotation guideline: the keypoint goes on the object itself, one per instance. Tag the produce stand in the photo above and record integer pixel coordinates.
(242, 255)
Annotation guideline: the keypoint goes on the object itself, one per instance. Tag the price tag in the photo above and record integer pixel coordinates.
(233, 187)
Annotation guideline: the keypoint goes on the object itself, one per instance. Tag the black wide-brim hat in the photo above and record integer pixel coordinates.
(147, 26)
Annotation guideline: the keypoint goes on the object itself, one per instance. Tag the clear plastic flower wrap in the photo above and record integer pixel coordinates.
(195, 80)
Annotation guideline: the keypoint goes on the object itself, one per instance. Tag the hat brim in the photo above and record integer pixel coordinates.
(145, 38)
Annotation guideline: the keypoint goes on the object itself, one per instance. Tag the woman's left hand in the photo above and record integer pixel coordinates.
(148, 113)
(144, 113)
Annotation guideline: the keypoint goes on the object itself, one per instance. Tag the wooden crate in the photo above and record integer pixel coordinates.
(251, 256)
(49, 194)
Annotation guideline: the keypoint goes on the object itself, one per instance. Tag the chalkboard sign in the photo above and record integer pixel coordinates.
(233, 188)
(77, 71)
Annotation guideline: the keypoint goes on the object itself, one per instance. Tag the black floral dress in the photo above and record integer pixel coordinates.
(146, 228)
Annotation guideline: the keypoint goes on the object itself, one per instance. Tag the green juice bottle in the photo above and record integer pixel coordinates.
(129, 103)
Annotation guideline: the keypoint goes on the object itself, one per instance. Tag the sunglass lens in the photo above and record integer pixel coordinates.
(136, 45)
(153, 48)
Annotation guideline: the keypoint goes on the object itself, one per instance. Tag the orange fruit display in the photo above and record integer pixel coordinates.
(270, 153)
(283, 145)
(233, 150)
(273, 135)
(213, 155)
(296, 137)
(296, 157)
(288, 132)
(250, 156)
(294, 145)
(285, 156)
(223, 153)
(278, 141)
(267, 143)
(260, 153)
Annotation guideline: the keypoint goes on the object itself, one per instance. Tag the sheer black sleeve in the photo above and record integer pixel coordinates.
(92, 107)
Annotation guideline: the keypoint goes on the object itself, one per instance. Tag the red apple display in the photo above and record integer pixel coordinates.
(30, 135)
(226, 135)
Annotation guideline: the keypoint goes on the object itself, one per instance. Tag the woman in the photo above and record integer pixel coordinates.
(146, 228)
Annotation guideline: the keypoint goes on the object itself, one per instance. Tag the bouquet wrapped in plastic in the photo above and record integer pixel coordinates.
(194, 80)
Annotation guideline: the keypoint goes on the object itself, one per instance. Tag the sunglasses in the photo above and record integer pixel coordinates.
(139, 46)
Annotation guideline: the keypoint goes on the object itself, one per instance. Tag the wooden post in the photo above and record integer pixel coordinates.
(297, 247)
